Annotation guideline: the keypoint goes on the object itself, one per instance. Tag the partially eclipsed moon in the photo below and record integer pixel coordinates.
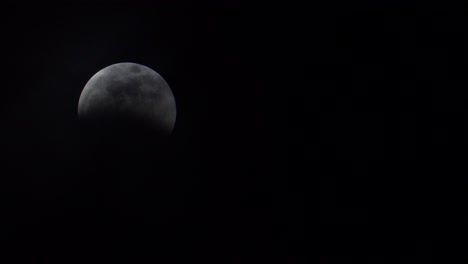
(129, 90)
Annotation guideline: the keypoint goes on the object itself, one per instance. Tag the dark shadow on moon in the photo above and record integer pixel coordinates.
(128, 156)
(125, 131)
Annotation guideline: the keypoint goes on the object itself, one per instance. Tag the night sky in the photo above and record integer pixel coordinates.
(302, 131)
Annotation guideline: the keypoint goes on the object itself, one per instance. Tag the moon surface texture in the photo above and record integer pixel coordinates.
(129, 91)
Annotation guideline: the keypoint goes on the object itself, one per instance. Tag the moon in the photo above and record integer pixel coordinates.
(129, 91)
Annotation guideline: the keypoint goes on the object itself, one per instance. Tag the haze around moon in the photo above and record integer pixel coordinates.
(129, 91)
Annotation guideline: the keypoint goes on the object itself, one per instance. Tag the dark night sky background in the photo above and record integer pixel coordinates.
(302, 131)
